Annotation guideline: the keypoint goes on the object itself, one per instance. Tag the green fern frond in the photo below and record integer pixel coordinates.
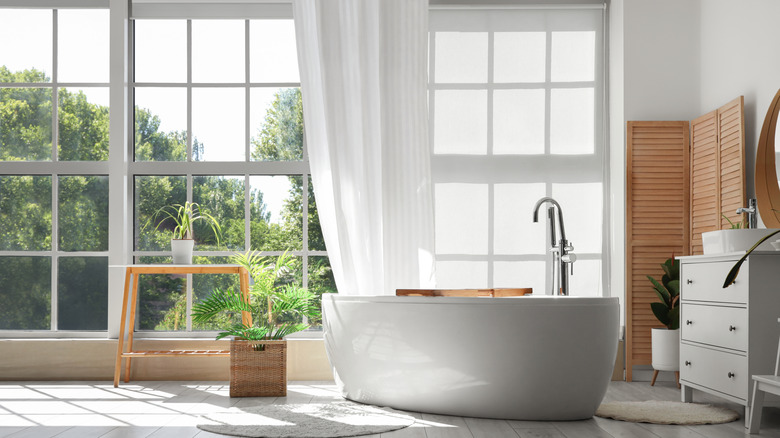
(220, 301)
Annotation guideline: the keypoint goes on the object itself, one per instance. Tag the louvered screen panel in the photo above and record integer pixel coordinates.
(657, 221)
(704, 178)
(732, 160)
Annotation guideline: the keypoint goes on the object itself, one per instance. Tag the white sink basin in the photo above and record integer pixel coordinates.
(725, 241)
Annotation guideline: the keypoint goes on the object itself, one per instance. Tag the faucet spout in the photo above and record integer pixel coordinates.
(563, 258)
(560, 213)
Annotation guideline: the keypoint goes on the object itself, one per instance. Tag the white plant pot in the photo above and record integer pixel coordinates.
(666, 349)
(181, 250)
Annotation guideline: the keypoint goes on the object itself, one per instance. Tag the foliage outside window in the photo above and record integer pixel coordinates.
(242, 158)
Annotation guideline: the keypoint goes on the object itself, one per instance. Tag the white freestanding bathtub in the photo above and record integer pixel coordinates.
(523, 358)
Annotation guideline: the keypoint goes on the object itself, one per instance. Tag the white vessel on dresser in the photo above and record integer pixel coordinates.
(727, 335)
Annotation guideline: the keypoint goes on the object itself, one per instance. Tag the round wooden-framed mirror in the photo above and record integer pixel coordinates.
(767, 189)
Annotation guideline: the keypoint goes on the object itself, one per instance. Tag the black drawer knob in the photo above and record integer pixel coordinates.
(731, 374)
(689, 281)
(732, 328)
(688, 322)
(687, 363)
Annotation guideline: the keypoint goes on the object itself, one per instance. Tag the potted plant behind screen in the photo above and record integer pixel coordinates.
(258, 351)
(666, 340)
(183, 217)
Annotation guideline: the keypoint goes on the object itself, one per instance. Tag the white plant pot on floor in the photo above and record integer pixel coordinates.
(181, 250)
(666, 349)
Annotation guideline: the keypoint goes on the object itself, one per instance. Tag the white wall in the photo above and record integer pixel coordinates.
(740, 56)
(661, 59)
(654, 75)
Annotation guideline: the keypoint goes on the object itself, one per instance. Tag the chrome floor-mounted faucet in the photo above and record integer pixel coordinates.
(563, 258)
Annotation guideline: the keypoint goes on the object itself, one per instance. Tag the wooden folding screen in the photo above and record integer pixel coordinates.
(657, 221)
(704, 178)
(733, 193)
(717, 170)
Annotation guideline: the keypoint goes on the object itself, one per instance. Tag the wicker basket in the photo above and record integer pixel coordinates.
(260, 373)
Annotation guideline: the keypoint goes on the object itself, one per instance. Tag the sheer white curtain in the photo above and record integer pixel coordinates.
(363, 78)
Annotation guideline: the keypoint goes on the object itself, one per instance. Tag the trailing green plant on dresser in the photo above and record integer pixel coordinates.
(668, 290)
(278, 309)
(731, 277)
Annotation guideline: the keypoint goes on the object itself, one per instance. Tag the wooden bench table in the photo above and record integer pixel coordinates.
(131, 276)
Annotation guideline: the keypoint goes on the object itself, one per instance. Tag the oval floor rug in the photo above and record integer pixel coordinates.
(666, 412)
(336, 419)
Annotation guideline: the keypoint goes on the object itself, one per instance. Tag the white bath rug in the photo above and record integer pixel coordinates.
(321, 420)
(666, 412)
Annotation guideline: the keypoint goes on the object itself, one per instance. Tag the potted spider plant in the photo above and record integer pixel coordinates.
(183, 217)
(665, 341)
(258, 351)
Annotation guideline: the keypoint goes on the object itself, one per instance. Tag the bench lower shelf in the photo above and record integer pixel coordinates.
(182, 353)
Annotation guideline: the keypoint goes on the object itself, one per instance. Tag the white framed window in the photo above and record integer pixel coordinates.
(516, 101)
(218, 121)
(54, 88)
(218, 114)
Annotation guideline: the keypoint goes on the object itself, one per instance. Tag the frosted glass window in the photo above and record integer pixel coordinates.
(461, 215)
(518, 122)
(520, 274)
(460, 122)
(582, 214)
(218, 124)
(572, 121)
(26, 43)
(586, 281)
(218, 51)
(461, 275)
(573, 56)
(461, 57)
(273, 56)
(160, 51)
(519, 56)
(83, 54)
(515, 232)
(525, 127)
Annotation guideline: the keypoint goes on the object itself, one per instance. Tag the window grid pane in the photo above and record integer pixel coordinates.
(26, 45)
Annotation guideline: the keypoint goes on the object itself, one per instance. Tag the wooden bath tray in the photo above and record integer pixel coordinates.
(503, 292)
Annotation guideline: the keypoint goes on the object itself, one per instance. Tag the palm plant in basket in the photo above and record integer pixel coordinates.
(258, 353)
(277, 309)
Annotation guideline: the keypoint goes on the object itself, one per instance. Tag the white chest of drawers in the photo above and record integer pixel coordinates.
(727, 335)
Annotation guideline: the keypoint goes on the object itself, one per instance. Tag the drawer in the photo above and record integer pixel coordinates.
(714, 325)
(704, 282)
(724, 372)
